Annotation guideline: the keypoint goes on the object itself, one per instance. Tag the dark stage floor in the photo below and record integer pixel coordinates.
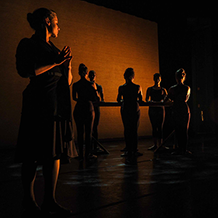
(158, 186)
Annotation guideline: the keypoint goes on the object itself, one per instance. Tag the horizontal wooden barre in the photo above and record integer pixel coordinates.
(116, 104)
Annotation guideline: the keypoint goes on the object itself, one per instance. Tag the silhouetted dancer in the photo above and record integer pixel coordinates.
(85, 94)
(45, 132)
(129, 94)
(180, 94)
(92, 77)
(156, 93)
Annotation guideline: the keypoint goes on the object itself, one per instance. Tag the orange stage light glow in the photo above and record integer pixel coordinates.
(105, 40)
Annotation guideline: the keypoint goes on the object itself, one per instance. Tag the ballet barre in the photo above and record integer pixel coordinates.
(118, 104)
(142, 103)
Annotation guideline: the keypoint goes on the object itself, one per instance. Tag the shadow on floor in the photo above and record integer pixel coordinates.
(159, 185)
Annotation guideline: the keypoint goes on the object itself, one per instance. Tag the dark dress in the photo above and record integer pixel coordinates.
(46, 123)
(130, 113)
(181, 114)
(84, 113)
(157, 114)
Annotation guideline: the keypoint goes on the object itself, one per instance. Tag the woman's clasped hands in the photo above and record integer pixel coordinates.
(64, 56)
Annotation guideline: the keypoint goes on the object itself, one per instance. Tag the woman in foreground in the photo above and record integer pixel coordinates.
(45, 133)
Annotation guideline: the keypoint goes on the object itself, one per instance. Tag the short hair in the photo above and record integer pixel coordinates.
(156, 75)
(92, 72)
(83, 69)
(180, 73)
(37, 18)
(129, 74)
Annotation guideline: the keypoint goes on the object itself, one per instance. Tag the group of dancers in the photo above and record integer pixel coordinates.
(178, 95)
(86, 112)
(130, 95)
(45, 133)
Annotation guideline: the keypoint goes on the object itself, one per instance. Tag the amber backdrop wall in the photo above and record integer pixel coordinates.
(107, 41)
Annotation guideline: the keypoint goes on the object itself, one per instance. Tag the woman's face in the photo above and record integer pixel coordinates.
(54, 27)
(180, 80)
(92, 76)
(157, 80)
